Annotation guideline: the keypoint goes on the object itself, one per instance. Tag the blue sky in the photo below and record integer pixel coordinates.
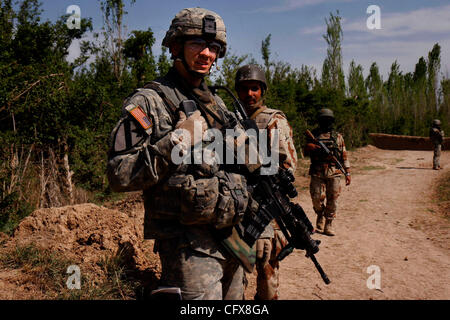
(409, 28)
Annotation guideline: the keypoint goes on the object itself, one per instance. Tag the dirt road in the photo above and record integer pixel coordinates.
(387, 219)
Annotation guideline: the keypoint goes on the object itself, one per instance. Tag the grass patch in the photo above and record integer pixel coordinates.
(47, 270)
(120, 283)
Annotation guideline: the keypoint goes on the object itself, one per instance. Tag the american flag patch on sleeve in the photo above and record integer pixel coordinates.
(140, 116)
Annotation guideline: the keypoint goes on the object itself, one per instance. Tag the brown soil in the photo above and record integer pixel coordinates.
(387, 217)
(85, 235)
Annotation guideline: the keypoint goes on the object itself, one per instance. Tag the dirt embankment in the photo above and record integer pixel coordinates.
(387, 218)
(86, 235)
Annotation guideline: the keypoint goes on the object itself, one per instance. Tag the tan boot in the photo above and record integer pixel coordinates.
(320, 222)
(328, 230)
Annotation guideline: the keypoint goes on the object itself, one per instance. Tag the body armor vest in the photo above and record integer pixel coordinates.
(196, 194)
(263, 116)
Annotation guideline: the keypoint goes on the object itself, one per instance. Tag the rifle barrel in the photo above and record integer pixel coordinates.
(319, 268)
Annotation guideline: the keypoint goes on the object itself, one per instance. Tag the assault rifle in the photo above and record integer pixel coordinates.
(328, 152)
(273, 193)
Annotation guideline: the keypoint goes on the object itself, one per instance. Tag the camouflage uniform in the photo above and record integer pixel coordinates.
(268, 269)
(325, 177)
(186, 205)
(436, 137)
(272, 240)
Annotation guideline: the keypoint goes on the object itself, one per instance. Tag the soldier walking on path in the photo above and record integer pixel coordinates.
(436, 137)
(325, 176)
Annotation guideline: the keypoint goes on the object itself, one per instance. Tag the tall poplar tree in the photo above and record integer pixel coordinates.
(332, 70)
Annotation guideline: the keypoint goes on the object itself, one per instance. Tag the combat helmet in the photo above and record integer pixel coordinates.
(325, 112)
(191, 22)
(250, 72)
(436, 123)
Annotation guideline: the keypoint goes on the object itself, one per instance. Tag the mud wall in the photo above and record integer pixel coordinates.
(396, 142)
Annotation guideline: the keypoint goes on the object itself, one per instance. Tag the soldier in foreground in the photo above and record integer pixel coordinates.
(185, 204)
(436, 137)
(324, 171)
(250, 85)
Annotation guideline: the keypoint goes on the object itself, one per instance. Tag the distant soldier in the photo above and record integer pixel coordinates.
(250, 84)
(436, 136)
(324, 173)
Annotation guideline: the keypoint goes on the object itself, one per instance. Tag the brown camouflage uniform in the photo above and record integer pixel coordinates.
(181, 201)
(268, 269)
(325, 177)
(436, 136)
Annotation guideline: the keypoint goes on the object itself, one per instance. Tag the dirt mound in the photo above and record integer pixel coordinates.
(132, 205)
(86, 232)
(3, 237)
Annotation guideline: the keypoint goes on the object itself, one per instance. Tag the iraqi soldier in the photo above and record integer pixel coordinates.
(436, 137)
(325, 176)
(185, 204)
(250, 84)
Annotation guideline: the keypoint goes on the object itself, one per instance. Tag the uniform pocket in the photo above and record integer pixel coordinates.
(233, 200)
(225, 212)
(198, 200)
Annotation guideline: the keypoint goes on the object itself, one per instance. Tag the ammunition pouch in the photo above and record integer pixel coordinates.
(197, 197)
(233, 199)
(220, 200)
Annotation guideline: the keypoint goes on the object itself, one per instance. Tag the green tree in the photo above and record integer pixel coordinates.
(444, 109)
(164, 62)
(138, 51)
(433, 68)
(265, 52)
(356, 85)
(113, 32)
(419, 103)
(332, 70)
(35, 110)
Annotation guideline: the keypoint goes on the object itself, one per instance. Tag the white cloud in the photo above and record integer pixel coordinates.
(313, 30)
(74, 48)
(411, 23)
(427, 20)
(404, 36)
(74, 51)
